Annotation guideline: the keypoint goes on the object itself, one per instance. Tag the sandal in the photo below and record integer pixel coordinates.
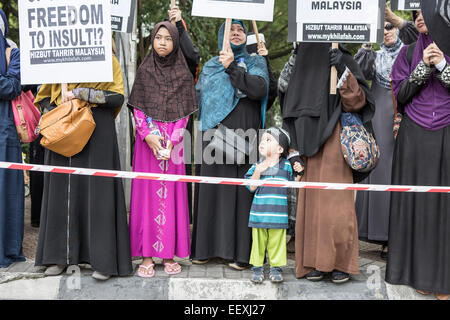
(238, 266)
(196, 261)
(146, 275)
(425, 293)
(169, 268)
(275, 274)
(440, 296)
(258, 275)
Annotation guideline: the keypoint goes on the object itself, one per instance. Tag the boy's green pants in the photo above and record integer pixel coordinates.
(274, 240)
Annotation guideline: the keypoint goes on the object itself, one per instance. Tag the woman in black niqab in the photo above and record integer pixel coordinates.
(309, 111)
(326, 233)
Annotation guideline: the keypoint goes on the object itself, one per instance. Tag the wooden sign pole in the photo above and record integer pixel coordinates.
(63, 90)
(226, 35)
(255, 30)
(334, 75)
(172, 4)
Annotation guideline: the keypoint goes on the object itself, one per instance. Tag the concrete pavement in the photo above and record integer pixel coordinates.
(196, 282)
(214, 281)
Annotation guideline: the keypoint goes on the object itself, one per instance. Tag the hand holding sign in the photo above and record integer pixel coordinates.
(174, 14)
(393, 18)
(226, 56)
(432, 55)
(262, 51)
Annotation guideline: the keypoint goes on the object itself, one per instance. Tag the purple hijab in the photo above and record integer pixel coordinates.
(430, 108)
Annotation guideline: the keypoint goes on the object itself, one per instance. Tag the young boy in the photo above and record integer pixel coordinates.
(269, 211)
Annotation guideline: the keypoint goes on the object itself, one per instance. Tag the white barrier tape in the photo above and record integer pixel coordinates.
(223, 181)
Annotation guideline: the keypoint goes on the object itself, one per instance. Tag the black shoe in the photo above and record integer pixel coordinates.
(238, 265)
(315, 275)
(384, 253)
(339, 277)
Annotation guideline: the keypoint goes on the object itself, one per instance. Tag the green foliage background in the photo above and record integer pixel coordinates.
(203, 32)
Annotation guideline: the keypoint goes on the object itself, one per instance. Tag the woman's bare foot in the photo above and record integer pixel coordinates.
(144, 268)
(171, 267)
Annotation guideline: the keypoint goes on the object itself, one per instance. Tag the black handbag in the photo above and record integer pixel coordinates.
(234, 147)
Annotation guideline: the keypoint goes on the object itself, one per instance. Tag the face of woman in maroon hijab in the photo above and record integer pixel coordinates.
(420, 23)
(163, 43)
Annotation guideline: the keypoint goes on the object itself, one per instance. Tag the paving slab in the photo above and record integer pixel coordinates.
(117, 288)
(224, 289)
(45, 288)
(399, 292)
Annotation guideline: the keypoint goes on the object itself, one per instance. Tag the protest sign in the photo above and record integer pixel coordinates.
(405, 4)
(65, 42)
(339, 21)
(261, 10)
(122, 15)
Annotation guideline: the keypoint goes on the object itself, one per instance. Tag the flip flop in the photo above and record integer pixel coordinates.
(425, 293)
(144, 275)
(168, 265)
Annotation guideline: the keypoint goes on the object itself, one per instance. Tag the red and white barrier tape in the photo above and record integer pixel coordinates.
(218, 180)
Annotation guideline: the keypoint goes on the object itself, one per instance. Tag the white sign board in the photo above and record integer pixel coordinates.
(338, 21)
(405, 4)
(260, 10)
(122, 15)
(65, 41)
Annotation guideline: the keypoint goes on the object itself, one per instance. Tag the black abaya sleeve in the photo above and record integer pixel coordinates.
(407, 91)
(366, 61)
(273, 85)
(408, 33)
(191, 53)
(412, 86)
(254, 87)
(103, 98)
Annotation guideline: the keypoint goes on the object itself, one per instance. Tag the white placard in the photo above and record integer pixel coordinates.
(405, 4)
(122, 15)
(338, 21)
(260, 10)
(65, 41)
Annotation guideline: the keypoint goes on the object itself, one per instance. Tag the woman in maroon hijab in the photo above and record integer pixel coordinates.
(419, 233)
(162, 99)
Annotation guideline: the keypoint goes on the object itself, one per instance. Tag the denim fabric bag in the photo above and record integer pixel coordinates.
(359, 147)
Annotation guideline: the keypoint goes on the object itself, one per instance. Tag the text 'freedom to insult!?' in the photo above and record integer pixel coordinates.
(66, 33)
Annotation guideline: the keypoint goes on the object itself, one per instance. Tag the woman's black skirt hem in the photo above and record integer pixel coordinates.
(419, 232)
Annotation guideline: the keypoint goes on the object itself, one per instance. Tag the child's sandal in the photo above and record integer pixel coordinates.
(258, 275)
(275, 274)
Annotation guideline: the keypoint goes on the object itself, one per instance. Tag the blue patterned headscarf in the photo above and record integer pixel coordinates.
(385, 60)
(216, 95)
